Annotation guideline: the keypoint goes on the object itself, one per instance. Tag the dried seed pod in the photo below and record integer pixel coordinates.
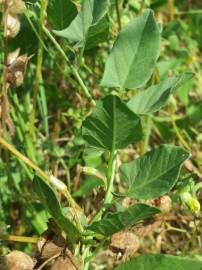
(16, 6)
(13, 26)
(125, 242)
(64, 262)
(164, 203)
(16, 260)
(13, 56)
(50, 244)
(16, 69)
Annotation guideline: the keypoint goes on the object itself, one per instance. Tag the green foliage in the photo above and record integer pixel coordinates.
(161, 262)
(156, 96)
(90, 23)
(61, 121)
(112, 125)
(134, 53)
(116, 222)
(61, 13)
(51, 203)
(154, 173)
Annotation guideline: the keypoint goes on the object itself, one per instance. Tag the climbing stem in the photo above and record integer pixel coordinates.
(74, 70)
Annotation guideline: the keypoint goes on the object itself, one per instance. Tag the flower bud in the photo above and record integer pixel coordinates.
(57, 183)
(191, 202)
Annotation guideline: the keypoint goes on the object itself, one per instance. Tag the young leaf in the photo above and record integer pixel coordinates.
(90, 15)
(134, 53)
(112, 125)
(154, 173)
(61, 13)
(161, 262)
(49, 200)
(156, 96)
(116, 222)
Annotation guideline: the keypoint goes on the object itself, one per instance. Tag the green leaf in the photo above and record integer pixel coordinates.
(154, 173)
(161, 262)
(112, 125)
(97, 33)
(91, 14)
(134, 53)
(49, 200)
(116, 222)
(156, 96)
(61, 13)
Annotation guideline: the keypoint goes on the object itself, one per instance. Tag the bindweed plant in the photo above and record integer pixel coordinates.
(114, 122)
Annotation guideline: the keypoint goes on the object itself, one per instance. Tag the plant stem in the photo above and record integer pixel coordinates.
(74, 70)
(147, 132)
(38, 75)
(181, 139)
(35, 32)
(171, 6)
(118, 14)
(110, 176)
(22, 239)
(110, 179)
(193, 11)
(27, 161)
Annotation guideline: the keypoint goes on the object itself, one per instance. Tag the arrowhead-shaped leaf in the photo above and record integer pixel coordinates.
(116, 222)
(86, 22)
(154, 173)
(161, 262)
(112, 125)
(156, 96)
(134, 53)
(61, 13)
(49, 200)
